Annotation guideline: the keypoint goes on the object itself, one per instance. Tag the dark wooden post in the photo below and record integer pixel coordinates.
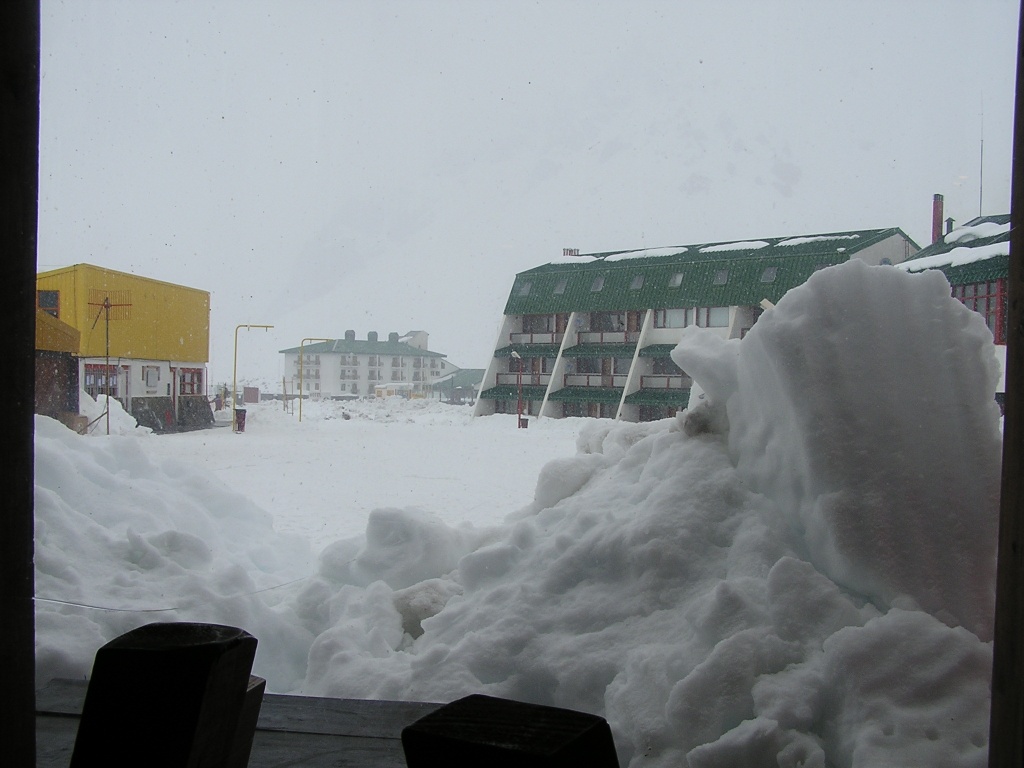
(19, 190)
(499, 733)
(1006, 730)
(172, 696)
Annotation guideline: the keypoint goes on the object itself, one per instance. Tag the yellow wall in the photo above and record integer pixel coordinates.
(53, 335)
(160, 321)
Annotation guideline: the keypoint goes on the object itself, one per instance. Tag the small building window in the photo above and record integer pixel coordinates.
(721, 277)
(676, 280)
(560, 287)
(49, 302)
(597, 285)
(769, 274)
(524, 289)
(637, 284)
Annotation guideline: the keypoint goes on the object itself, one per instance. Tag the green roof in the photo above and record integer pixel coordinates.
(599, 350)
(363, 347)
(465, 377)
(587, 395)
(528, 350)
(703, 275)
(510, 392)
(678, 397)
(972, 255)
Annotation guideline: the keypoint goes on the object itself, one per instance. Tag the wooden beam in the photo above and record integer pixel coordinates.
(1006, 729)
(19, 188)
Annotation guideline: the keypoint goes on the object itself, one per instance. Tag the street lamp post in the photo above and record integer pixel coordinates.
(234, 374)
(519, 388)
(300, 371)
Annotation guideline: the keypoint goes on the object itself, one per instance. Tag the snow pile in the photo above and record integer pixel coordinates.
(122, 541)
(778, 576)
(797, 572)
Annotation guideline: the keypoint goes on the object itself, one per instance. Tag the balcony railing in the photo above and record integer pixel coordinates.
(665, 382)
(609, 337)
(595, 380)
(529, 379)
(535, 338)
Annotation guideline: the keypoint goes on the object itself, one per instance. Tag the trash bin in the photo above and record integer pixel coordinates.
(523, 422)
(239, 419)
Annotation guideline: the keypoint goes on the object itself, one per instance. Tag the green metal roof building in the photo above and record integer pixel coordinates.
(591, 334)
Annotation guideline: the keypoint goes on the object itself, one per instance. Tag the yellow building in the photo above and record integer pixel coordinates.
(143, 341)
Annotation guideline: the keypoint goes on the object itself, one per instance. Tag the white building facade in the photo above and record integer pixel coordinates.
(348, 368)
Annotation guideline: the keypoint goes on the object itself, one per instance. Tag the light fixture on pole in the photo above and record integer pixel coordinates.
(234, 374)
(301, 363)
(519, 388)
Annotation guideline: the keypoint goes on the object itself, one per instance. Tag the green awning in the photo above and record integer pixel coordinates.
(587, 395)
(511, 392)
(600, 350)
(677, 397)
(528, 350)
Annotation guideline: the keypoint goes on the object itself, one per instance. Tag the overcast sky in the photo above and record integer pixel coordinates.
(389, 166)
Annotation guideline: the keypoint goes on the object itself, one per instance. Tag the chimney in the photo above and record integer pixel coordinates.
(371, 336)
(936, 218)
(392, 336)
(949, 225)
(350, 335)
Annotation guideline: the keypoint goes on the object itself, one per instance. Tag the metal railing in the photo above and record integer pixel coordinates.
(595, 380)
(529, 379)
(677, 381)
(609, 337)
(536, 338)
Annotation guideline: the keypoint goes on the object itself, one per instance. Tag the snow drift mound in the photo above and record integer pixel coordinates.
(879, 443)
(775, 578)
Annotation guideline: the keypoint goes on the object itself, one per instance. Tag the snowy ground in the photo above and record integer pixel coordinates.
(797, 572)
(322, 477)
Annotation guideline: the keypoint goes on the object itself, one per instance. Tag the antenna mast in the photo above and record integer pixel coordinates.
(981, 162)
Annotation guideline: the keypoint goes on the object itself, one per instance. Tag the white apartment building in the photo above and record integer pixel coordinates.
(347, 368)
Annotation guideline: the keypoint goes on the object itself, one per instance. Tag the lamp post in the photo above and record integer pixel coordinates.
(300, 372)
(519, 388)
(234, 374)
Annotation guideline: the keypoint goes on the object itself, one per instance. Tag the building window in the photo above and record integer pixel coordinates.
(151, 375)
(597, 285)
(524, 289)
(665, 366)
(670, 318)
(49, 302)
(721, 277)
(100, 380)
(769, 274)
(190, 381)
(637, 284)
(718, 317)
(988, 299)
(676, 280)
(560, 287)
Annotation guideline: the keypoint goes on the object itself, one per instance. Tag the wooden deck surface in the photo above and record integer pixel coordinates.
(292, 730)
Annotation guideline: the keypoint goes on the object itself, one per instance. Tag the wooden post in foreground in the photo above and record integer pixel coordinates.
(171, 695)
(500, 733)
(1006, 729)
